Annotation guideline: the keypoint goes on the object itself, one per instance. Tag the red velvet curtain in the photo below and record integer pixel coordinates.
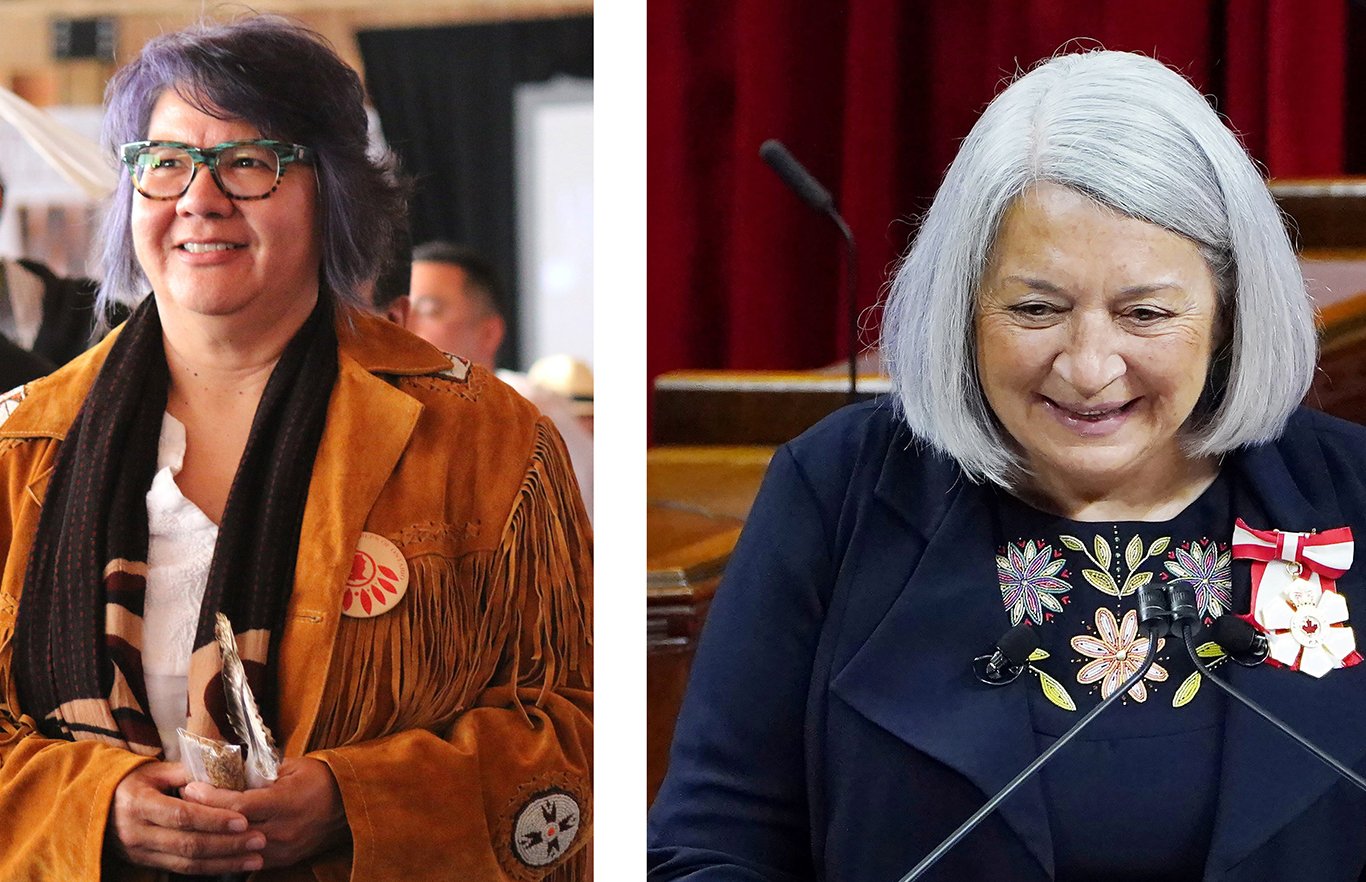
(873, 97)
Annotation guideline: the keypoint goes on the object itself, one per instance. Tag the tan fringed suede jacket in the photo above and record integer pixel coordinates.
(458, 723)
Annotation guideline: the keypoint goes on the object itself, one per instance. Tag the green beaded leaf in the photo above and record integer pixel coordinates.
(1102, 553)
(1209, 650)
(1133, 553)
(1073, 543)
(1189, 687)
(1101, 581)
(1055, 692)
(1135, 582)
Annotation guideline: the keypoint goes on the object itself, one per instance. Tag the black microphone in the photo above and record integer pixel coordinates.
(810, 191)
(1156, 618)
(1008, 660)
(795, 175)
(1188, 632)
(1241, 642)
(1154, 610)
(1185, 612)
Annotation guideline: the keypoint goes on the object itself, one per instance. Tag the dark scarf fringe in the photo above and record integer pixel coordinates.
(107, 453)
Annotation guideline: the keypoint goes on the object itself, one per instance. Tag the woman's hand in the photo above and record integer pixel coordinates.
(301, 814)
(150, 828)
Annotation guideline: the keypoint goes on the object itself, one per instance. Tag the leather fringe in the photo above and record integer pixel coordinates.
(578, 867)
(9, 693)
(516, 613)
(549, 521)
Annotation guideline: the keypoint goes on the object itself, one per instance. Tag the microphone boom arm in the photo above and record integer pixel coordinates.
(851, 289)
(810, 191)
(1265, 714)
(967, 826)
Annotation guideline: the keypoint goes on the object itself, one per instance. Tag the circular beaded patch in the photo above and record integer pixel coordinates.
(545, 827)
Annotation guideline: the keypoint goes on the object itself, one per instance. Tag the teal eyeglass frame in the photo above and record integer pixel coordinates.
(208, 156)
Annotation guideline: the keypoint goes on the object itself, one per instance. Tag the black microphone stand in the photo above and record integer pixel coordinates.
(810, 191)
(1153, 632)
(851, 289)
(1188, 633)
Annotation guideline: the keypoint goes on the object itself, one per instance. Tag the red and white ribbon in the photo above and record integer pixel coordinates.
(1328, 554)
(1295, 601)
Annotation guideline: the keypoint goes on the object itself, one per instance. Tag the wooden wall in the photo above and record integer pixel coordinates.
(28, 68)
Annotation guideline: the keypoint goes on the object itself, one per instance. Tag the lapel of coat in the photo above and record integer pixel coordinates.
(913, 675)
(369, 425)
(1267, 780)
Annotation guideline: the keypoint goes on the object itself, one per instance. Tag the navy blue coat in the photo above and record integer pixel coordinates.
(833, 728)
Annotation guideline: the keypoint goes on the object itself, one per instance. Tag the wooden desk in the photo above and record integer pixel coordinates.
(699, 498)
(1340, 382)
(1326, 212)
(749, 407)
(721, 479)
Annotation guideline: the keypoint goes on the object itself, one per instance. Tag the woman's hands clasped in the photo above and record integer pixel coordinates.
(209, 831)
(150, 827)
(300, 815)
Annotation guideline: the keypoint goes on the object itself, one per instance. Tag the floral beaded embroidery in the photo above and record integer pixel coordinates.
(1214, 655)
(1117, 584)
(1208, 570)
(1028, 575)
(1052, 689)
(1036, 585)
(1116, 653)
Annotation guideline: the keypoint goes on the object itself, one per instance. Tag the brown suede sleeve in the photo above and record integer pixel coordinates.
(54, 795)
(425, 807)
(62, 791)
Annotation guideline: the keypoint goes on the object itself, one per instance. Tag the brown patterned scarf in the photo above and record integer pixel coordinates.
(77, 638)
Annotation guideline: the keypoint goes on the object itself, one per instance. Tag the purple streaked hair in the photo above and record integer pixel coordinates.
(289, 83)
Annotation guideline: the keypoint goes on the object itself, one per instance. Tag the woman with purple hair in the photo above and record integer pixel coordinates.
(393, 535)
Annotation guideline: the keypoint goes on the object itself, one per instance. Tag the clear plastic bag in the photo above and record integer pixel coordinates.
(213, 762)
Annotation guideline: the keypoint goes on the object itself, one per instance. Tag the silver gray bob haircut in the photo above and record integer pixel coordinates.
(1136, 137)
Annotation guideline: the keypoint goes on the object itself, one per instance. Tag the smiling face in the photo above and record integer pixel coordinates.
(1094, 337)
(211, 257)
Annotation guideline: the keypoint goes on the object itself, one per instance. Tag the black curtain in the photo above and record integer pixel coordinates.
(444, 97)
(1354, 118)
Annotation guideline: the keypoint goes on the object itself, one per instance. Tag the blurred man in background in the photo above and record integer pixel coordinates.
(454, 301)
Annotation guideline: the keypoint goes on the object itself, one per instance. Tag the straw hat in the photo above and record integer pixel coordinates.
(566, 376)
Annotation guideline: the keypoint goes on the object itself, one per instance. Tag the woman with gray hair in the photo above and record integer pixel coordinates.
(1099, 342)
(393, 536)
